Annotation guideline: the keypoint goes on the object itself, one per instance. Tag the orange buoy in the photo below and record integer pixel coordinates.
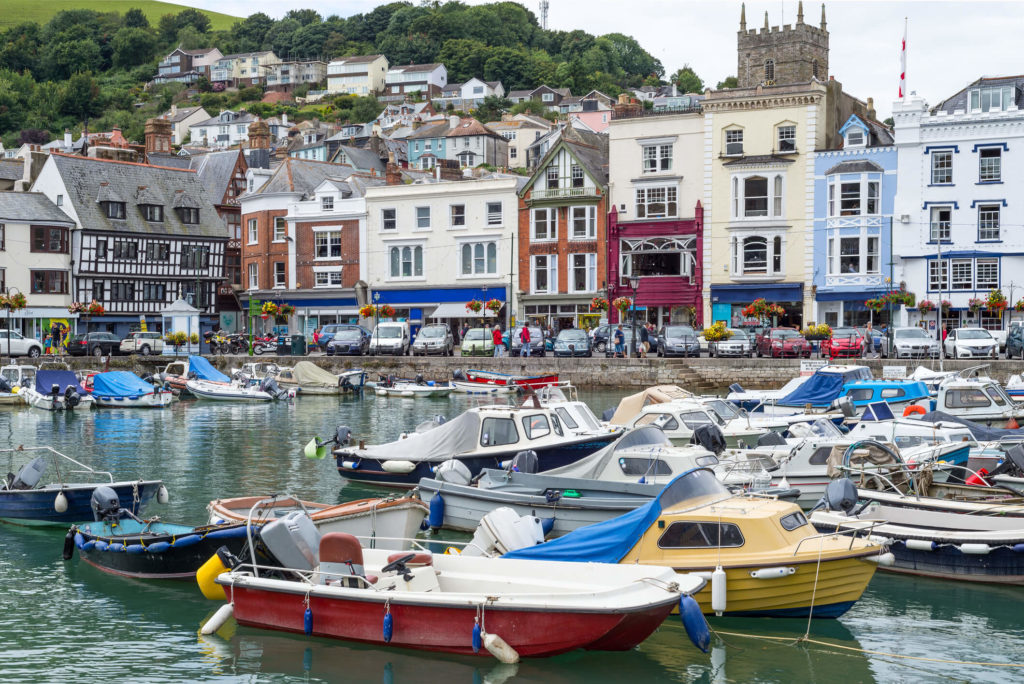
(1012, 424)
(912, 409)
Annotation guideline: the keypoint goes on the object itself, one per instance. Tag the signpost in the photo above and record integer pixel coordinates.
(255, 308)
(808, 366)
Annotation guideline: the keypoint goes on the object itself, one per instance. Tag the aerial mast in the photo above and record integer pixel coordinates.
(544, 14)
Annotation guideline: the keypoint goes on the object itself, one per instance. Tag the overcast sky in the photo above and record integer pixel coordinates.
(949, 43)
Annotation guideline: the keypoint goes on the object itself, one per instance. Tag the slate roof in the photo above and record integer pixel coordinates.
(30, 207)
(589, 149)
(12, 170)
(215, 170)
(855, 166)
(360, 59)
(960, 99)
(361, 158)
(91, 181)
(241, 118)
(180, 114)
(439, 130)
(302, 176)
(514, 94)
(415, 67)
(758, 159)
(175, 161)
(471, 126)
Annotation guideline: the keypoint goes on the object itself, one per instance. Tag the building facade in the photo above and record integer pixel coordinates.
(181, 118)
(243, 69)
(362, 75)
(227, 129)
(186, 66)
(286, 75)
(655, 225)
(520, 130)
(417, 80)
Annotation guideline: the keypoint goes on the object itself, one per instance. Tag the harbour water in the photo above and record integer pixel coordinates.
(65, 620)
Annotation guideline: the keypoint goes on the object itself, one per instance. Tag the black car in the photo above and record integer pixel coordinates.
(1015, 342)
(627, 333)
(351, 340)
(678, 340)
(94, 344)
(599, 338)
(572, 342)
(327, 333)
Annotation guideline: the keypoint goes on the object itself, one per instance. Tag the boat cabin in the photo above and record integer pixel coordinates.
(681, 417)
(19, 375)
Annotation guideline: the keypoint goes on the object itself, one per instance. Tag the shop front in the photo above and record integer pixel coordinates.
(310, 313)
(848, 308)
(36, 321)
(560, 312)
(728, 302)
(441, 305)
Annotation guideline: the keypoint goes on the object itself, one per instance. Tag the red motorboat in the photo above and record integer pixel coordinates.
(458, 603)
(504, 379)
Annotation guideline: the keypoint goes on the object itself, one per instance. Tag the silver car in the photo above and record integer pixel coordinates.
(910, 343)
(738, 344)
(434, 339)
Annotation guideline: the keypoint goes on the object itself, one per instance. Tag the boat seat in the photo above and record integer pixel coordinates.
(341, 561)
(419, 560)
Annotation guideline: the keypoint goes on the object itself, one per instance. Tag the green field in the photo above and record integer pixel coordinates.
(40, 11)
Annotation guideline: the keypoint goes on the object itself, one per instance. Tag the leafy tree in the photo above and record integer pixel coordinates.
(304, 16)
(250, 34)
(366, 109)
(132, 46)
(728, 82)
(33, 136)
(135, 18)
(464, 58)
(534, 106)
(492, 108)
(510, 66)
(890, 122)
(66, 57)
(687, 80)
(309, 40)
(632, 58)
(80, 97)
(281, 37)
(171, 24)
(20, 47)
(189, 38)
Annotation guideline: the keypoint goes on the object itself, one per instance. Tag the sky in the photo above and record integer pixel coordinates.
(949, 44)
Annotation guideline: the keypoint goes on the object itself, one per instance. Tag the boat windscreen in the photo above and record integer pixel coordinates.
(691, 487)
(647, 435)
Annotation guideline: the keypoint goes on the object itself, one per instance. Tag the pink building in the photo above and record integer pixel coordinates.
(597, 120)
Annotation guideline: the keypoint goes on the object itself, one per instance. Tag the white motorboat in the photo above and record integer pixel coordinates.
(411, 388)
(266, 390)
(463, 387)
(121, 389)
(57, 390)
(257, 369)
(680, 417)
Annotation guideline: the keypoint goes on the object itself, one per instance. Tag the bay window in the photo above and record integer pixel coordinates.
(853, 197)
(938, 275)
(656, 202)
(583, 276)
(853, 254)
(657, 256)
(544, 273)
(986, 275)
(963, 275)
(406, 261)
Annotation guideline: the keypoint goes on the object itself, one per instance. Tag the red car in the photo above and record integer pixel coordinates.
(847, 343)
(781, 342)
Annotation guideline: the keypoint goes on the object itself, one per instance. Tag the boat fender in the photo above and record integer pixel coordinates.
(477, 638)
(884, 559)
(158, 547)
(1019, 548)
(219, 618)
(187, 540)
(500, 649)
(920, 545)
(718, 601)
(100, 545)
(876, 539)
(772, 573)
(88, 546)
(307, 621)
(399, 467)
(71, 540)
(230, 533)
(116, 548)
(350, 465)
(436, 517)
(135, 548)
(547, 524)
(642, 480)
(389, 627)
(60, 504)
(975, 549)
(162, 497)
(694, 623)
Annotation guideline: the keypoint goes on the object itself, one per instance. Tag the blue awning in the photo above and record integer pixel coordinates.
(773, 292)
(855, 296)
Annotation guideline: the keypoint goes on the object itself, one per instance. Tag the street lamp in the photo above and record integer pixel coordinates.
(634, 283)
(376, 315)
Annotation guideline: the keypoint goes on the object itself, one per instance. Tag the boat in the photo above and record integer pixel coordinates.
(308, 378)
(620, 477)
(762, 556)
(679, 419)
(57, 390)
(10, 389)
(462, 387)
(266, 390)
(819, 389)
(504, 379)
(389, 386)
(388, 519)
(42, 494)
(257, 370)
(177, 374)
(121, 389)
(482, 437)
(450, 603)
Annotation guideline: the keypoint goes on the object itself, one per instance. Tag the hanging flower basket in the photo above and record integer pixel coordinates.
(776, 310)
(946, 306)
(177, 339)
(599, 304)
(1019, 306)
(622, 304)
(386, 311)
(368, 311)
(976, 304)
(925, 307)
(270, 309)
(717, 332)
(287, 310)
(820, 332)
(474, 305)
(13, 302)
(493, 305)
(691, 312)
(996, 302)
(875, 305)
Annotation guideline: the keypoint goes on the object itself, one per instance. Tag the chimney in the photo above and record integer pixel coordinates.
(416, 124)
(284, 119)
(67, 140)
(392, 172)
(453, 121)
(871, 108)
(34, 160)
(158, 136)
(174, 109)
(259, 135)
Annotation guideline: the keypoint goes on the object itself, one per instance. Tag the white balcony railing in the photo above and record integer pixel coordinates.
(558, 193)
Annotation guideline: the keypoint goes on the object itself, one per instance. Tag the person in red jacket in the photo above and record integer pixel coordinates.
(499, 347)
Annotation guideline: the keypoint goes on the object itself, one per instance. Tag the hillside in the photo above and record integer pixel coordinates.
(18, 11)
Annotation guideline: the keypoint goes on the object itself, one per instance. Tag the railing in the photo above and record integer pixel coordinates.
(644, 113)
(558, 193)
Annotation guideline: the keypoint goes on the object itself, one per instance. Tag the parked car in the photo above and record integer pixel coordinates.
(349, 339)
(538, 340)
(678, 340)
(144, 343)
(327, 332)
(782, 342)
(846, 343)
(477, 342)
(910, 343)
(1015, 342)
(627, 332)
(390, 337)
(436, 338)
(599, 338)
(740, 343)
(971, 343)
(20, 345)
(94, 344)
(572, 342)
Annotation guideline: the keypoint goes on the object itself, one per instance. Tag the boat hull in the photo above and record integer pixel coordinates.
(492, 378)
(154, 400)
(227, 393)
(34, 507)
(46, 402)
(461, 387)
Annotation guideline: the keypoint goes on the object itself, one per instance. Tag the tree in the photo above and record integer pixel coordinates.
(250, 34)
(33, 136)
(463, 58)
(729, 82)
(304, 16)
(135, 18)
(510, 66)
(687, 80)
(492, 108)
(66, 57)
(890, 122)
(80, 97)
(20, 48)
(132, 46)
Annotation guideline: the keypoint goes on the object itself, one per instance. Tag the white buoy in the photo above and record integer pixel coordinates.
(162, 497)
(219, 618)
(500, 649)
(975, 549)
(718, 590)
(884, 559)
(920, 545)
(60, 504)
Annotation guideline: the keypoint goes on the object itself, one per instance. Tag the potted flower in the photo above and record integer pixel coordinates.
(717, 332)
(193, 338)
(95, 309)
(386, 311)
(367, 311)
(622, 304)
(269, 309)
(925, 307)
(1019, 306)
(599, 304)
(474, 305)
(176, 340)
(76, 308)
(819, 332)
(875, 304)
(13, 302)
(946, 306)
(493, 305)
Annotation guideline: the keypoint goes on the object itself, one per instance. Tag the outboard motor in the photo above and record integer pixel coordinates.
(148, 377)
(525, 462)
(459, 374)
(71, 397)
(343, 435)
(607, 414)
(840, 495)
(709, 437)
(845, 404)
(4, 385)
(30, 474)
(771, 438)
(55, 395)
(270, 386)
(454, 472)
(420, 380)
(105, 505)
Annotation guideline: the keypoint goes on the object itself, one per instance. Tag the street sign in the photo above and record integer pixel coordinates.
(255, 307)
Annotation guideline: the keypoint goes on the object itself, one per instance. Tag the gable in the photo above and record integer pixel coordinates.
(853, 122)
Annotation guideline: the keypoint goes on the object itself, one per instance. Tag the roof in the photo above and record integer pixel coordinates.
(239, 55)
(180, 114)
(518, 93)
(589, 149)
(30, 207)
(759, 159)
(855, 166)
(240, 118)
(469, 127)
(415, 67)
(452, 88)
(960, 101)
(215, 170)
(301, 176)
(361, 158)
(439, 130)
(90, 181)
(359, 59)
(12, 169)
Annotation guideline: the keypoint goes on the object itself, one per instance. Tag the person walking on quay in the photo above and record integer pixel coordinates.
(645, 342)
(499, 347)
(620, 342)
(524, 337)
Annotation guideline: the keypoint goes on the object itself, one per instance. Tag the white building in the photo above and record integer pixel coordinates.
(224, 130)
(362, 75)
(432, 247)
(182, 118)
(955, 215)
(402, 80)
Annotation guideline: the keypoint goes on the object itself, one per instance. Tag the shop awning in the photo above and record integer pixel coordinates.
(849, 296)
(458, 310)
(773, 292)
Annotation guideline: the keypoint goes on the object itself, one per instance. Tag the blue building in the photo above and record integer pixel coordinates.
(427, 145)
(854, 190)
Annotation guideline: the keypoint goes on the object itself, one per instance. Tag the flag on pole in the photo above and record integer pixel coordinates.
(903, 62)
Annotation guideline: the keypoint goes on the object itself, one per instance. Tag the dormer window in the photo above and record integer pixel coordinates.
(113, 210)
(993, 99)
(188, 214)
(152, 212)
(855, 137)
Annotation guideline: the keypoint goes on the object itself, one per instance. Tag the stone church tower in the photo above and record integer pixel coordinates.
(777, 56)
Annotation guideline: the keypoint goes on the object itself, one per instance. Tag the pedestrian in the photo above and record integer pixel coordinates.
(524, 338)
(499, 346)
(645, 342)
(462, 331)
(316, 337)
(620, 342)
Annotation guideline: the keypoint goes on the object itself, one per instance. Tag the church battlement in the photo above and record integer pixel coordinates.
(787, 53)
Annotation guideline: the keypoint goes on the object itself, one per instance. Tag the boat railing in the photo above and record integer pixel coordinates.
(248, 521)
(853, 533)
(54, 457)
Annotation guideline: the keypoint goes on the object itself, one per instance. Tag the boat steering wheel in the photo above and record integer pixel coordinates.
(398, 566)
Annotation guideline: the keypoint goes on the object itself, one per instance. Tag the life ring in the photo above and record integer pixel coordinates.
(914, 409)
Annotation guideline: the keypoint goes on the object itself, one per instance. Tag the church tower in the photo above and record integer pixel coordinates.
(781, 55)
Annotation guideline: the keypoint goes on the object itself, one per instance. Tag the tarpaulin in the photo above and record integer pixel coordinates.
(204, 370)
(46, 379)
(820, 390)
(119, 384)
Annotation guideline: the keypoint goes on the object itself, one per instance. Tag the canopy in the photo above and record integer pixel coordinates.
(448, 440)
(982, 433)
(204, 370)
(820, 390)
(458, 310)
(591, 467)
(308, 374)
(631, 406)
(120, 384)
(46, 379)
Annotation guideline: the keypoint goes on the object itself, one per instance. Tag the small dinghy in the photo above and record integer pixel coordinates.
(390, 519)
(307, 378)
(57, 390)
(121, 389)
(41, 494)
(121, 543)
(503, 379)
(398, 387)
(266, 390)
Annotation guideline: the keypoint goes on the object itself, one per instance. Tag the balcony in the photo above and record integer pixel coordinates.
(565, 193)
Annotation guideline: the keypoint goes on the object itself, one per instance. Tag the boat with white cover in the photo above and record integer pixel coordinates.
(266, 390)
(310, 379)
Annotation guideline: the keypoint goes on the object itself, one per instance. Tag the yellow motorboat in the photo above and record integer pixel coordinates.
(760, 554)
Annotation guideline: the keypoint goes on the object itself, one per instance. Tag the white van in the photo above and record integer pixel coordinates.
(390, 337)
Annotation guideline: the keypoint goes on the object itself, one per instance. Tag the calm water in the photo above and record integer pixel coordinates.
(60, 621)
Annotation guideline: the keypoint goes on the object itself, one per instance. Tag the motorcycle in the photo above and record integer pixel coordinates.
(219, 344)
(264, 345)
